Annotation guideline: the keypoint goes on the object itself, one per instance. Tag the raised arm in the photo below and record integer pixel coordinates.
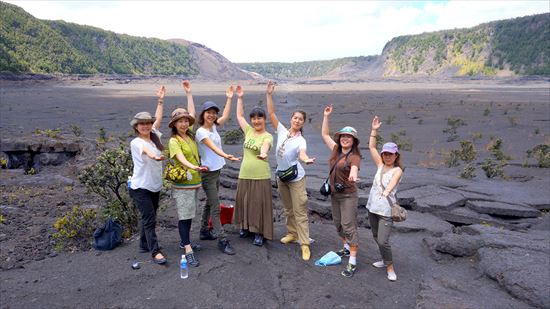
(270, 106)
(240, 108)
(160, 107)
(227, 108)
(325, 133)
(210, 144)
(393, 182)
(372, 141)
(190, 104)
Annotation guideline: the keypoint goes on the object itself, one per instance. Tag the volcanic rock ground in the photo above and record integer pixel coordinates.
(478, 243)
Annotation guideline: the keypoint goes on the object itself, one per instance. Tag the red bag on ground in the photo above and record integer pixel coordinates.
(226, 215)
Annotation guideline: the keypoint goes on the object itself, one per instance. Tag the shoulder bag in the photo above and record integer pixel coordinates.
(398, 213)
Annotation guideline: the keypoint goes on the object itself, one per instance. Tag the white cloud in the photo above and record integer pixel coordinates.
(246, 31)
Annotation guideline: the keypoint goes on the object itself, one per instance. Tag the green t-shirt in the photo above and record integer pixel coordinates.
(190, 151)
(252, 167)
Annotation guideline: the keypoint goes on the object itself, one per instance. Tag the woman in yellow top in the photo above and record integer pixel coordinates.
(184, 152)
(253, 204)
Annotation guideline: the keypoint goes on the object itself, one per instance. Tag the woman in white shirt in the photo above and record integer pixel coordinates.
(291, 147)
(146, 181)
(212, 156)
(384, 186)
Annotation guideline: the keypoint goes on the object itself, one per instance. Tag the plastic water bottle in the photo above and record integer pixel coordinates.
(184, 271)
(129, 182)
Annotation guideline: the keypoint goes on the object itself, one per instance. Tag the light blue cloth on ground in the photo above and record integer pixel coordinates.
(330, 258)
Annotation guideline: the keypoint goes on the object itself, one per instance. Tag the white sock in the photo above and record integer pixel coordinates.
(352, 260)
(346, 246)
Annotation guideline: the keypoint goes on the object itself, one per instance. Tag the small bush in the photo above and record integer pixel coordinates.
(537, 131)
(541, 153)
(48, 132)
(233, 137)
(486, 112)
(420, 121)
(390, 119)
(452, 159)
(495, 147)
(477, 136)
(404, 144)
(77, 131)
(468, 172)
(3, 163)
(467, 151)
(493, 168)
(102, 135)
(513, 121)
(453, 124)
(30, 171)
(75, 229)
(2, 219)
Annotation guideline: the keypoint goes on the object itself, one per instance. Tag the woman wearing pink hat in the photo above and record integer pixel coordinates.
(382, 192)
(183, 149)
(146, 181)
(344, 162)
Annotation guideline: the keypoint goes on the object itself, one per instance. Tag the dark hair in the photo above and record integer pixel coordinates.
(189, 132)
(397, 161)
(154, 138)
(354, 150)
(257, 112)
(200, 121)
(303, 115)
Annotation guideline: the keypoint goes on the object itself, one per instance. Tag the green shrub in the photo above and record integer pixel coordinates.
(541, 153)
(477, 136)
(404, 144)
(108, 179)
(3, 163)
(75, 229)
(486, 112)
(493, 168)
(452, 158)
(467, 151)
(233, 137)
(48, 132)
(77, 131)
(495, 147)
(468, 171)
(453, 124)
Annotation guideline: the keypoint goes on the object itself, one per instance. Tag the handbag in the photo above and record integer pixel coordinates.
(108, 236)
(289, 174)
(398, 213)
(174, 172)
(325, 187)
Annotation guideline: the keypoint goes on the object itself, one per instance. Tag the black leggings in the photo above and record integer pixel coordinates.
(184, 227)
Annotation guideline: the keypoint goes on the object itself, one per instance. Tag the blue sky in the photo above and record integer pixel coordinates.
(283, 31)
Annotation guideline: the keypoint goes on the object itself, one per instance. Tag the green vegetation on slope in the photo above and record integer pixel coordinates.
(306, 69)
(28, 44)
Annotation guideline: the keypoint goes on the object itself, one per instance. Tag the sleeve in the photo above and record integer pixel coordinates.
(174, 147)
(355, 160)
(157, 133)
(303, 144)
(136, 147)
(200, 135)
(269, 138)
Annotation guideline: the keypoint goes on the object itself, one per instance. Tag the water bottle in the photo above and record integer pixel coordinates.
(129, 182)
(184, 272)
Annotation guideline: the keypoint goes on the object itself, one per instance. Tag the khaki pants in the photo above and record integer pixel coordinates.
(344, 215)
(294, 198)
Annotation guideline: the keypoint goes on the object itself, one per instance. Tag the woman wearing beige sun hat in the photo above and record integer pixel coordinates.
(183, 150)
(146, 181)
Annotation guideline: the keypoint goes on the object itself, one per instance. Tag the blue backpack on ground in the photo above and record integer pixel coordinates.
(108, 236)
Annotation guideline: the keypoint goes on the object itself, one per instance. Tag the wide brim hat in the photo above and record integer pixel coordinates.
(142, 117)
(346, 131)
(390, 147)
(179, 113)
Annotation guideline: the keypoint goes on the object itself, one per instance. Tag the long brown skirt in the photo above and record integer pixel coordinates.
(254, 207)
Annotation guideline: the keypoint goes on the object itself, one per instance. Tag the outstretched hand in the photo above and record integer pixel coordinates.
(376, 123)
(186, 86)
(233, 158)
(353, 178)
(229, 92)
(202, 168)
(262, 156)
(328, 110)
(159, 158)
(309, 161)
(240, 91)
(270, 87)
(161, 92)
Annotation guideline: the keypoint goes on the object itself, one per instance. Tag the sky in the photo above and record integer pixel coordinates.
(282, 31)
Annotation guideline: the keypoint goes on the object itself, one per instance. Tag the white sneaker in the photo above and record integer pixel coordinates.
(379, 264)
(392, 276)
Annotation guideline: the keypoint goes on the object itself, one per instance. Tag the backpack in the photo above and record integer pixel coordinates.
(108, 236)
